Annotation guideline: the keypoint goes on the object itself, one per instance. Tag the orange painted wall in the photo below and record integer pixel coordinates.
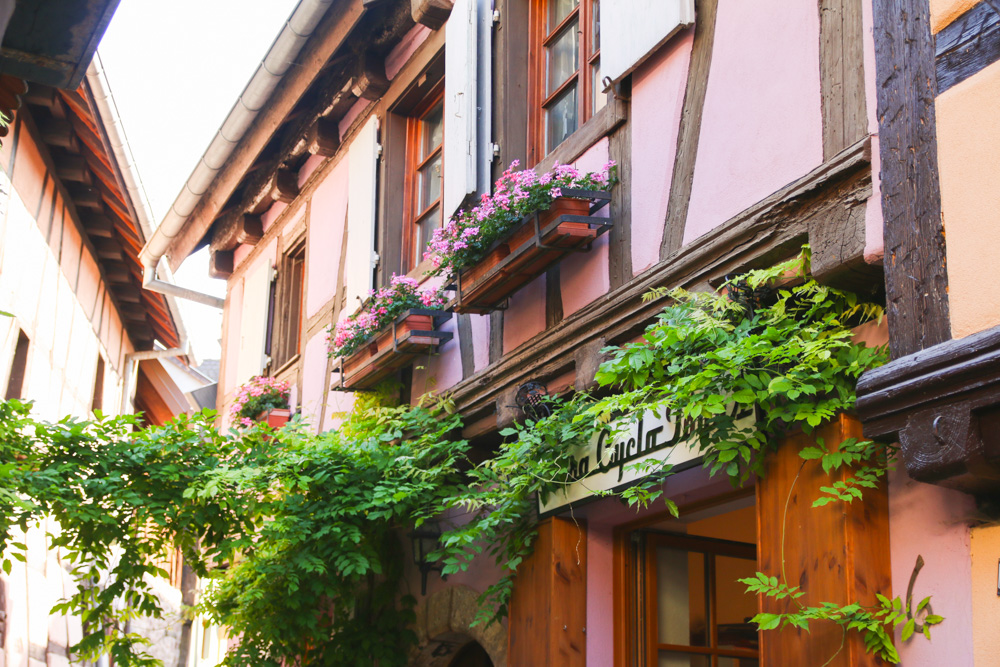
(968, 129)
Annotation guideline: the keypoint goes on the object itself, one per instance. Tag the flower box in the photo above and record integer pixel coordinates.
(275, 417)
(412, 334)
(539, 242)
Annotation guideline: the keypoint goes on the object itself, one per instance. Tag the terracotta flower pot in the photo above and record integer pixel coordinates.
(275, 417)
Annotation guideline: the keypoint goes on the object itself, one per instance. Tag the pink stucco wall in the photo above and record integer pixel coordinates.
(440, 371)
(231, 346)
(932, 522)
(584, 276)
(313, 378)
(327, 217)
(761, 126)
(404, 50)
(874, 241)
(657, 101)
(525, 318)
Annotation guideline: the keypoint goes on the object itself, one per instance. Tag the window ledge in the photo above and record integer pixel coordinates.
(600, 125)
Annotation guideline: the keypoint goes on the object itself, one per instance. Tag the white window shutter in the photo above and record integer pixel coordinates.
(362, 159)
(460, 104)
(485, 96)
(633, 29)
(253, 320)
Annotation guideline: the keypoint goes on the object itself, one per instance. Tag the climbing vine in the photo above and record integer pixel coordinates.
(300, 535)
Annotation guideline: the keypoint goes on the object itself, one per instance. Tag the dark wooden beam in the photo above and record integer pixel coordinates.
(59, 132)
(284, 186)
(689, 133)
(70, 167)
(431, 13)
(943, 405)
(967, 45)
(220, 264)
(236, 228)
(85, 196)
(323, 137)
(370, 81)
(117, 272)
(916, 279)
(127, 294)
(40, 95)
(108, 249)
(97, 224)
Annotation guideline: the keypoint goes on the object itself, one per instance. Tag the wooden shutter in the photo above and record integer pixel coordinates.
(460, 104)
(633, 29)
(362, 159)
(253, 322)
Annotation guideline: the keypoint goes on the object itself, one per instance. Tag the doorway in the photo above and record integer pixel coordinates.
(471, 655)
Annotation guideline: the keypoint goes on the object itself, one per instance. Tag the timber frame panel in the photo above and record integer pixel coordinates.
(940, 398)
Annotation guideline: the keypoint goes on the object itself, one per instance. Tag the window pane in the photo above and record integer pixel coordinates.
(561, 118)
(682, 611)
(735, 608)
(563, 55)
(431, 131)
(595, 42)
(674, 659)
(558, 10)
(430, 183)
(600, 98)
(425, 230)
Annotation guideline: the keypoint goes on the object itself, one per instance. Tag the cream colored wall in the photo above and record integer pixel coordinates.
(985, 600)
(968, 128)
(51, 282)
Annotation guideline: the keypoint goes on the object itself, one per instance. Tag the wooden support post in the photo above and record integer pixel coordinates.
(431, 13)
(74, 168)
(548, 607)
(284, 187)
(117, 272)
(108, 249)
(837, 553)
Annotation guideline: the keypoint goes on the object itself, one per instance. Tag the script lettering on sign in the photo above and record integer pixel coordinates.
(610, 460)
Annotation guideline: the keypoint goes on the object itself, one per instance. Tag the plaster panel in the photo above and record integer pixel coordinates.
(931, 521)
(943, 12)
(313, 378)
(327, 217)
(968, 129)
(231, 346)
(404, 50)
(29, 171)
(441, 371)
(89, 283)
(276, 209)
(525, 318)
(762, 125)
(874, 238)
(985, 601)
(72, 250)
(584, 276)
(480, 341)
(657, 100)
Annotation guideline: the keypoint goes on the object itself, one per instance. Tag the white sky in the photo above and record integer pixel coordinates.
(175, 70)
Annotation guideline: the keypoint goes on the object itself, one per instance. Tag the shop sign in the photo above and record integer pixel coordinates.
(608, 461)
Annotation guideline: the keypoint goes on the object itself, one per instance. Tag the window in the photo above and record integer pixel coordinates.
(18, 367)
(285, 307)
(684, 605)
(566, 84)
(423, 176)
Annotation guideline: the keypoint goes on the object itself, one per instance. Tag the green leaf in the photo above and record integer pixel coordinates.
(810, 453)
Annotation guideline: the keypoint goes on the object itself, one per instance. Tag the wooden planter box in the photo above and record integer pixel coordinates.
(414, 333)
(539, 242)
(275, 417)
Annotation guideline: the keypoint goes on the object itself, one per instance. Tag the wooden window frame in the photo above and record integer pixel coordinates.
(285, 308)
(710, 548)
(538, 101)
(411, 216)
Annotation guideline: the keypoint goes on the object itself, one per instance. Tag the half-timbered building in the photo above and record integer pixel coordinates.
(741, 131)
